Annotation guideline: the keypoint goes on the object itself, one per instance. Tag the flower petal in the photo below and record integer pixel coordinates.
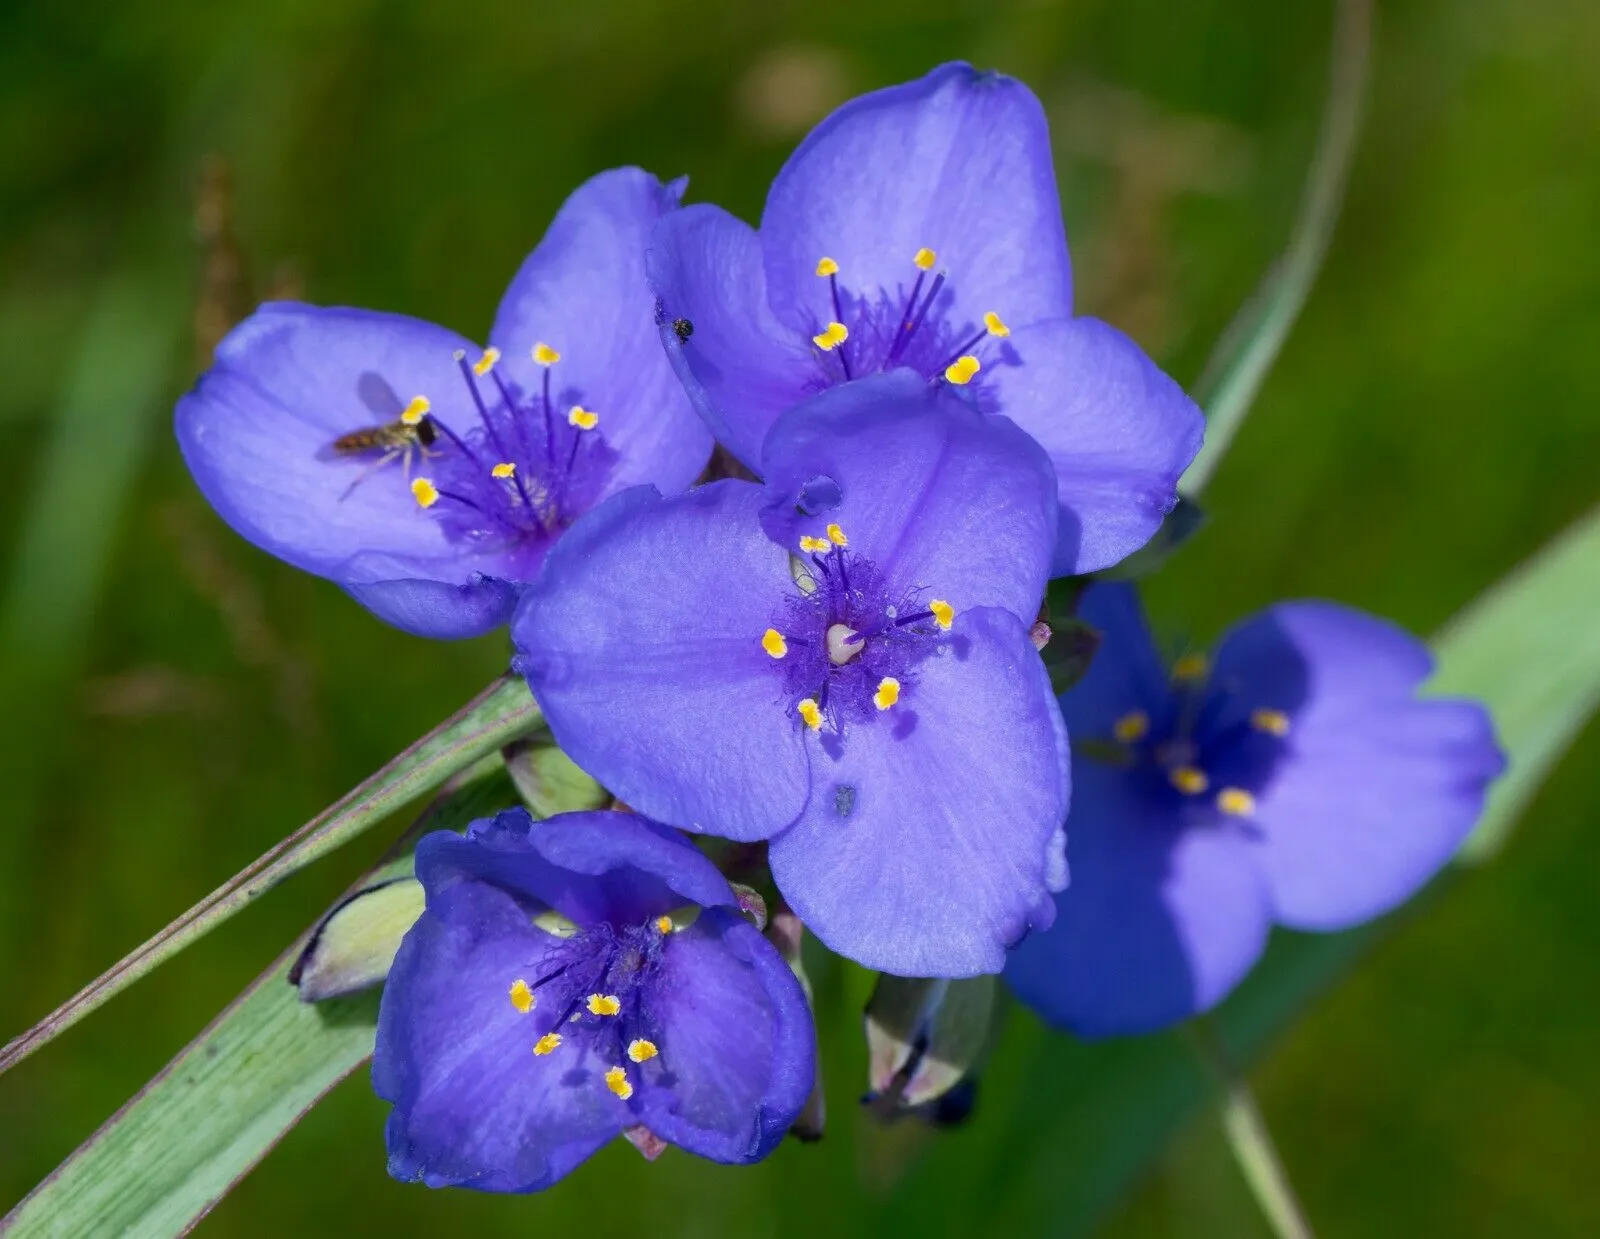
(957, 162)
(1119, 432)
(582, 292)
(740, 367)
(642, 642)
(927, 848)
(1160, 923)
(738, 1051)
(937, 495)
(1125, 673)
(1374, 789)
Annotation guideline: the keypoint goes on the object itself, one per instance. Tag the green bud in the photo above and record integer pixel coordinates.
(548, 781)
(923, 1037)
(355, 943)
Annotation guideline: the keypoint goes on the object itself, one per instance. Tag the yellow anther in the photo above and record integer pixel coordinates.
(1236, 802)
(925, 258)
(485, 363)
(772, 641)
(833, 335)
(888, 692)
(836, 536)
(424, 492)
(603, 1004)
(617, 1082)
(416, 410)
(582, 418)
(991, 320)
(827, 267)
(642, 1050)
(1189, 780)
(810, 544)
(943, 613)
(811, 712)
(546, 1044)
(1191, 667)
(522, 998)
(1131, 727)
(1273, 722)
(504, 469)
(545, 355)
(961, 370)
(663, 924)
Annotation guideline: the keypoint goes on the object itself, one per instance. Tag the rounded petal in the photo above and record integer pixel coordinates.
(442, 610)
(957, 162)
(642, 642)
(583, 292)
(1373, 790)
(1119, 432)
(473, 1106)
(740, 367)
(937, 495)
(931, 839)
(738, 1051)
(1160, 922)
(1125, 673)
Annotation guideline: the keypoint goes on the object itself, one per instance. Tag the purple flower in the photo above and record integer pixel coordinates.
(837, 661)
(429, 477)
(919, 227)
(571, 980)
(1295, 779)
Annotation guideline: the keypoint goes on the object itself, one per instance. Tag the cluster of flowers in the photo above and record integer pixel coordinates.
(831, 649)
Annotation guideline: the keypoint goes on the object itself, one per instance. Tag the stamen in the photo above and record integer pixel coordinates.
(485, 363)
(1273, 722)
(547, 1044)
(943, 613)
(642, 1050)
(991, 320)
(425, 492)
(888, 692)
(522, 997)
(844, 643)
(961, 370)
(915, 314)
(582, 418)
(812, 545)
(1191, 667)
(617, 1082)
(772, 641)
(836, 536)
(603, 1004)
(833, 335)
(827, 267)
(504, 469)
(545, 355)
(416, 410)
(1236, 802)
(663, 924)
(811, 713)
(1189, 780)
(925, 258)
(1131, 727)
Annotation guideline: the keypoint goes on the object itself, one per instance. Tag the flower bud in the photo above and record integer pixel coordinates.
(923, 1038)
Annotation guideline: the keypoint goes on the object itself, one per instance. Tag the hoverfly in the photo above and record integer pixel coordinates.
(407, 437)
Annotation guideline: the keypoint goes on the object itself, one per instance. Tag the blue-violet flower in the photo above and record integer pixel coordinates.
(920, 227)
(575, 979)
(838, 661)
(424, 475)
(1295, 779)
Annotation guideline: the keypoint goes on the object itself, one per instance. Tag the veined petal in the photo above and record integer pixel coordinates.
(1159, 923)
(738, 1049)
(940, 882)
(937, 495)
(642, 642)
(582, 292)
(740, 367)
(957, 162)
(1374, 789)
(1119, 432)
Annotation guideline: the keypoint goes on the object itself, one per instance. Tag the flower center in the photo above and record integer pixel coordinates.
(860, 331)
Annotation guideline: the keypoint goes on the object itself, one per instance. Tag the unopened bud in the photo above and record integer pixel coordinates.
(355, 944)
(787, 934)
(548, 781)
(751, 904)
(923, 1038)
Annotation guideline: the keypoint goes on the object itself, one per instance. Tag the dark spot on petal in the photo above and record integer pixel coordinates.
(844, 799)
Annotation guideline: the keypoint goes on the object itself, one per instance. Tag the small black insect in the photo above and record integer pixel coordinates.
(683, 328)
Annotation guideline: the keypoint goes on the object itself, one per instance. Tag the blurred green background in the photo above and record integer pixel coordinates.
(174, 701)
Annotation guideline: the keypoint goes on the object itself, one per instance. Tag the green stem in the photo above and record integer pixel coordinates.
(501, 713)
(1247, 349)
(1248, 1136)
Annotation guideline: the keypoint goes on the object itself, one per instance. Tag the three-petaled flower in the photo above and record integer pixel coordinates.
(838, 661)
(425, 475)
(575, 979)
(1295, 779)
(919, 227)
